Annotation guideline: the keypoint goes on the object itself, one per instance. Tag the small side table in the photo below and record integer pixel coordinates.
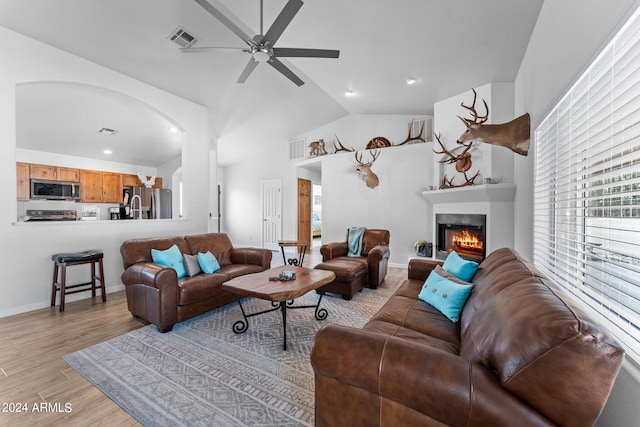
(302, 248)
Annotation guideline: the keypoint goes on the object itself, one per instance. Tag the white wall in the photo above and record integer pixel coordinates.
(241, 198)
(396, 204)
(28, 247)
(567, 36)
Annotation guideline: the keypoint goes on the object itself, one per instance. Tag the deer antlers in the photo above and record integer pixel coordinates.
(342, 147)
(382, 142)
(374, 156)
(462, 162)
(476, 118)
(419, 137)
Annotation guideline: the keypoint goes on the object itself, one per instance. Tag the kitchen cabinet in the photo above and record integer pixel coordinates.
(130, 180)
(68, 174)
(111, 187)
(100, 187)
(95, 186)
(54, 173)
(22, 180)
(90, 186)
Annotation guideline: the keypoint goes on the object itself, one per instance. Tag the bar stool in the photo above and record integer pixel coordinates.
(61, 261)
(301, 248)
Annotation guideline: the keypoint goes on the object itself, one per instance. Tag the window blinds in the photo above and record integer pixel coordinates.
(587, 189)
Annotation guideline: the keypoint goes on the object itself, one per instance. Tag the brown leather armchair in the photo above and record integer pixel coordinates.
(374, 254)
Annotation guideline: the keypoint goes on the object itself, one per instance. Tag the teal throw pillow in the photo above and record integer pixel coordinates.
(208, 262)
(446, 293)
(171, 257)
(459, 267)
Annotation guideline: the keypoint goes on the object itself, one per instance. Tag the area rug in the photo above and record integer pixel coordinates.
(202, 374)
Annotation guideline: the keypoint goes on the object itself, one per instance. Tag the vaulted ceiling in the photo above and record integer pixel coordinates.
(449, 46)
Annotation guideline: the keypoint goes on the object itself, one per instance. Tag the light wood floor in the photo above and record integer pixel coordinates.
(31, 349)
(32, 370)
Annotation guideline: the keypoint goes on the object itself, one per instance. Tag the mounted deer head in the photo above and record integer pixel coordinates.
(513, 135)
(462, 162)
(365, 169)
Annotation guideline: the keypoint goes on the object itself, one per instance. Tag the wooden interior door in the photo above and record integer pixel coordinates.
(304, 212)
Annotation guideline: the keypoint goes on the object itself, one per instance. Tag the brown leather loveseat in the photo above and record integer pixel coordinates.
(154, 292)
(523, 353)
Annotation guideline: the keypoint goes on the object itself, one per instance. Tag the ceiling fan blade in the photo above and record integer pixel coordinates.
(251, 65)
(286, 52)
(212, 49)
(223, 19)
(282, 21)
(285, 70)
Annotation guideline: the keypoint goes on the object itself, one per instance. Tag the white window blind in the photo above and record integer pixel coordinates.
(587, 189)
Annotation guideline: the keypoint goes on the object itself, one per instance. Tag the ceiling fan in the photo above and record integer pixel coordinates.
(262, 46)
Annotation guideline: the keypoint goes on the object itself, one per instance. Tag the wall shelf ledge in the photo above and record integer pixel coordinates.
(473, 194)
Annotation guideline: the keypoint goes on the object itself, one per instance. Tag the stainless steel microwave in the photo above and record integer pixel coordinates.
(54, 190)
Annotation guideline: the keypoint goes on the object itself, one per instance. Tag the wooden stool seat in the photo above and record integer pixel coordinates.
(62, 260)
(300, 246)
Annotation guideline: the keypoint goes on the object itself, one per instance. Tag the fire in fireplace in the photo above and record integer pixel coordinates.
(463, 233)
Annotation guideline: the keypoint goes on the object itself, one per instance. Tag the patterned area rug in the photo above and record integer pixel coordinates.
(202, 374)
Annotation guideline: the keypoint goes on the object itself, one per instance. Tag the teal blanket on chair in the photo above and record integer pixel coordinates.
(354, 241)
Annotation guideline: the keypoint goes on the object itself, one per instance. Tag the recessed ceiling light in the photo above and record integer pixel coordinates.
(107, 152)
(349, 92)
(411, 80)
(173, 129)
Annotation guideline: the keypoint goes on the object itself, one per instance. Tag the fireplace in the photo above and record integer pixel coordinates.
(464, 233)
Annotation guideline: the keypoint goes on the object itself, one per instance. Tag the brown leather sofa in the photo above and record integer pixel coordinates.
(523, 353)
(154, 292)
(374, 254)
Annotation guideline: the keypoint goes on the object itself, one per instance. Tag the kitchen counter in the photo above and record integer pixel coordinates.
(98, 221)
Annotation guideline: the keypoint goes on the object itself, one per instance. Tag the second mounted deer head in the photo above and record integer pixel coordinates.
(365, 169)
(513, 135)
(462, 162)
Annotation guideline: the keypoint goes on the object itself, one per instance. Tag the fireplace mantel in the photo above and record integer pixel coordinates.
(473, 193)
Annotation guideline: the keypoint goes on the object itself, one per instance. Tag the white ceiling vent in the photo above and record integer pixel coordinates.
(297, 149)
(182, 38)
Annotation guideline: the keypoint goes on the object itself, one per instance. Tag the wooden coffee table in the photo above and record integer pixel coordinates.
(280, 293)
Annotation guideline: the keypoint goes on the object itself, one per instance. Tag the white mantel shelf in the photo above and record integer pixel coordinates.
(473, 194)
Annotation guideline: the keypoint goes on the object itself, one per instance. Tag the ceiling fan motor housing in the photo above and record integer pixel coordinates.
(262, 46)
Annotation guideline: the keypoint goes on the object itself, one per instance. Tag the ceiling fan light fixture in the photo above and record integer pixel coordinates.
(261, 56)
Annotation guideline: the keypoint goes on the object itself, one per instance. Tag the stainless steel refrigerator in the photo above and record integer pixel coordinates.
(155, 202)
(160, 203)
